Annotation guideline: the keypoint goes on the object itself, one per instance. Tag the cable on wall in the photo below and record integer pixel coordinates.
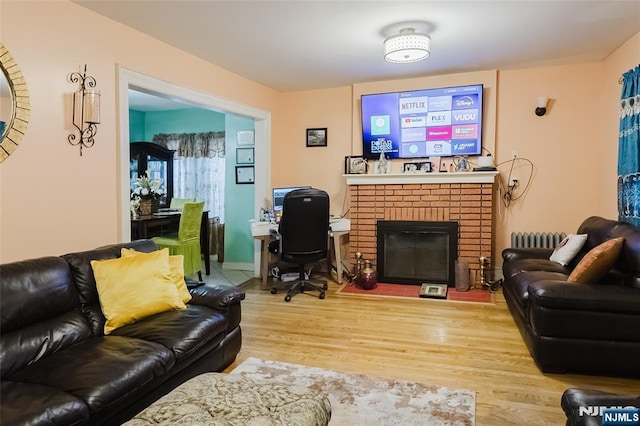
(510, 192)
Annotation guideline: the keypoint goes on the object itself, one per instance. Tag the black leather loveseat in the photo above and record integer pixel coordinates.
(591, 328)
(58, 367)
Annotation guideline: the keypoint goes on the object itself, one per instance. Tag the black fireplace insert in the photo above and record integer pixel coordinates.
(416, 252)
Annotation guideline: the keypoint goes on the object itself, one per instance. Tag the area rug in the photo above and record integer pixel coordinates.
(413, 291)
(366, 400)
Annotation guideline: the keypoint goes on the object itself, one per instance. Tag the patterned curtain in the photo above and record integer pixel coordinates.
(198, 167)
(629, 149)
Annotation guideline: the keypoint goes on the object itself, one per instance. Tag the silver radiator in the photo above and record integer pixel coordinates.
(536, 239)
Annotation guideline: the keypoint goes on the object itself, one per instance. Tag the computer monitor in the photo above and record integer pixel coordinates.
(279, 193)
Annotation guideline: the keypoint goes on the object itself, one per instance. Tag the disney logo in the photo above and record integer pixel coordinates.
(465, 101)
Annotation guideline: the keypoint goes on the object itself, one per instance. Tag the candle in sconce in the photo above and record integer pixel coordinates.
(92, 106)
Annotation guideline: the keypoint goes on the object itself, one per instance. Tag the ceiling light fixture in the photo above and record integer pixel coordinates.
(408, 46)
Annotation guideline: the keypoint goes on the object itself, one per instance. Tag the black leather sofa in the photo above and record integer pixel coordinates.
(57, 366)
(579, 405)
(589, 328)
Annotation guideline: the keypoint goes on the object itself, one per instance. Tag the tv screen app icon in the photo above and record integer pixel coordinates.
(380, 125)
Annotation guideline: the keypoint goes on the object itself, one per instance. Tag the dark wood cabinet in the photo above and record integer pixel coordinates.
(155, 158)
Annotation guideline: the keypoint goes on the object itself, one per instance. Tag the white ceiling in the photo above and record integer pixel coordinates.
(306, 44)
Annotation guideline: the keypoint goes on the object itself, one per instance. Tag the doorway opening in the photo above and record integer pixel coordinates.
(131, 79)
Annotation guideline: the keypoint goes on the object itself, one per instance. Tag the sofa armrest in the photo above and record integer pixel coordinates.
(573, 398)
(526, 253)
(585, 297)
(217, 297)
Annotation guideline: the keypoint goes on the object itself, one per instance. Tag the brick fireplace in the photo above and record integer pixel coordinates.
(467, 198)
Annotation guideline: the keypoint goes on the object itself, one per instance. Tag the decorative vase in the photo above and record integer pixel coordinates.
(148, 207)
(367, 279)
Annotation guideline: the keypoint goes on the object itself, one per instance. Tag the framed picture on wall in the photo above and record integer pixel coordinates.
(244, 155)
(317, 137)
(245, 175)
(245, 137)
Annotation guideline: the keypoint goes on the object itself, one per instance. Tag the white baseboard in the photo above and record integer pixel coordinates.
(239, 266)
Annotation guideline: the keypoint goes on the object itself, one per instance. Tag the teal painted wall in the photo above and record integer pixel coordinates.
(136, 126)
(239, 199)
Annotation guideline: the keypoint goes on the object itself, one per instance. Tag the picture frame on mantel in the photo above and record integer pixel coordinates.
(355, 165)
(317, 137)
(417, 167)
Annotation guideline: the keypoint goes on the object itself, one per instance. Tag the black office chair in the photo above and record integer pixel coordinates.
(304, 236)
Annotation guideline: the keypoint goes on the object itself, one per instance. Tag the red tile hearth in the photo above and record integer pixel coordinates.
(413, 291)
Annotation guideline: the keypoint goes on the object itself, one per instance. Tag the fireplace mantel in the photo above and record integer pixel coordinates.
(410, 178)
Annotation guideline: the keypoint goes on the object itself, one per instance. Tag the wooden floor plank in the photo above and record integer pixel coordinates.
(454, 344)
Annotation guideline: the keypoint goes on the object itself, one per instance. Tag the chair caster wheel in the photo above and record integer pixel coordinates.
(321, 296)
(287, 298)
(274, 290)
(325, 287)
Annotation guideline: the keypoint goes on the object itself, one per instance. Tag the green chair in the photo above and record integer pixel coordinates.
(178, 203)
(187, 241)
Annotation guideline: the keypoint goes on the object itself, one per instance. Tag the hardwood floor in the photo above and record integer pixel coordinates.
(454, 344)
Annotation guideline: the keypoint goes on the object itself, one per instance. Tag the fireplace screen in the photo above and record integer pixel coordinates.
(415, 252)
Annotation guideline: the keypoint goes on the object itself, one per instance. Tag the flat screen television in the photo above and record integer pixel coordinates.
(439, 122)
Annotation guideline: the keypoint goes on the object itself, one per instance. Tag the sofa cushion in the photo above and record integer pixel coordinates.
(568, 248)
(80, 266)
(38, 302)
(183, 332)
(561, 309)
(629, 260)
(131, 288)
(514, 267)
(101, 371)
(176, 271)
(597, 262)
(34, 404)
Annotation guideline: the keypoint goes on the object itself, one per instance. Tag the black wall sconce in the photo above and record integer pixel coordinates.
(86, 109)
(541, 109)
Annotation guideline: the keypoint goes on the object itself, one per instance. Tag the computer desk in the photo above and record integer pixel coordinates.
(262, 231)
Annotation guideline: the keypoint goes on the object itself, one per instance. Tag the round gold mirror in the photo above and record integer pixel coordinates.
(14, 104)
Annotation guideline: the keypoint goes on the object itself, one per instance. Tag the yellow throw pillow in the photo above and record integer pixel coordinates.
(132, 288)
(176, 268)
(597, 262)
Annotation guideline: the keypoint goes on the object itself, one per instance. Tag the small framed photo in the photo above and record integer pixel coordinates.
(244, 155)
(245, 137)
(355, 165)
(317, 137)
(245, 175)
(417, 167)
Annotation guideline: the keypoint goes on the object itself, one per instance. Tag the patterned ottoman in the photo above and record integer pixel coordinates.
(223, 399)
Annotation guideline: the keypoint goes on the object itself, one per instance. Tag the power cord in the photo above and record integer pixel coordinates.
(508, 192)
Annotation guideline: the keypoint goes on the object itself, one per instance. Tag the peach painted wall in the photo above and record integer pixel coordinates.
(570, 154)
(52, 200)
(573, 147)
(321, 167)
